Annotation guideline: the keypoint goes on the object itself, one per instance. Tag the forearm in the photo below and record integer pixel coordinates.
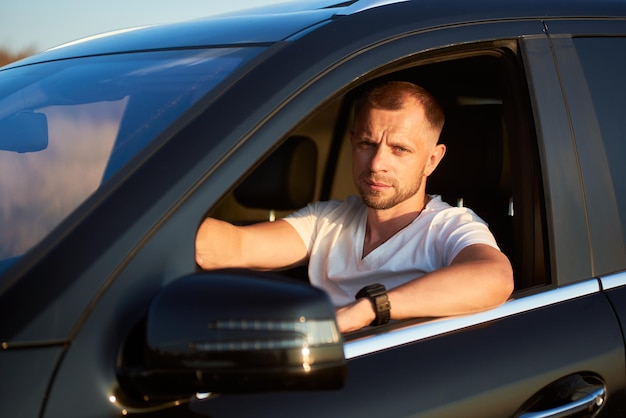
(480, 278)
(438, 294)
(453, 290)
(262, 246)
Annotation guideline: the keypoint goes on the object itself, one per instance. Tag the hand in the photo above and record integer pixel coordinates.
(356, 315)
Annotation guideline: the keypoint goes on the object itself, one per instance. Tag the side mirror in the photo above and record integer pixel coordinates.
(24, 132)
(237, 331)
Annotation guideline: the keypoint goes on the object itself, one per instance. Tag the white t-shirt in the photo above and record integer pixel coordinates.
(333, 233)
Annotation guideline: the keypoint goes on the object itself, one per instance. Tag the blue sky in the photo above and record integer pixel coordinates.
(40, 24)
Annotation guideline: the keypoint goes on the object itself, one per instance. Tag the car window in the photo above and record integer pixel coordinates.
(67, 126)
(604, 69)
(491, 163)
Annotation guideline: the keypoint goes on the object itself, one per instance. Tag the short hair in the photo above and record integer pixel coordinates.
(392, 95)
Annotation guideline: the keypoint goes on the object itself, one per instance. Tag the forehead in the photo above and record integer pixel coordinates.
(405, 125)
(372, 120)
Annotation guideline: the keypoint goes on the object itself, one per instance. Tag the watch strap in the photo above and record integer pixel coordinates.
(377, 294)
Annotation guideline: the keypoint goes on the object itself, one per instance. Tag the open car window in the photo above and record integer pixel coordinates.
(491, 163)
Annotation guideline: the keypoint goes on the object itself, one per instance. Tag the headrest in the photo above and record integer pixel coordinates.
(285, 180)
(473, 162)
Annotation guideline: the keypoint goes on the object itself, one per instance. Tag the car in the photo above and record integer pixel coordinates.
(113, 149)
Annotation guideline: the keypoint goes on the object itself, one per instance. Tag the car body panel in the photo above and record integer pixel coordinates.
(466, 368)
(28, 388)
(446, 376)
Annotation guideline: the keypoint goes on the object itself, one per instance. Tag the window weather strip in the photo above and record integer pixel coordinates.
(370, 344)
(614, 280)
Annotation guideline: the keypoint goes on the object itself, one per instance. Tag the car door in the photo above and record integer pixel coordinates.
(506, 361)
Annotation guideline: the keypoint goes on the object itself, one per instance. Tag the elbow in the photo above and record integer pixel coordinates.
(496, 286)
(503, 285)
(505, 291)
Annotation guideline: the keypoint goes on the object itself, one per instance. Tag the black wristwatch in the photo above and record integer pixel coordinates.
(377, 294)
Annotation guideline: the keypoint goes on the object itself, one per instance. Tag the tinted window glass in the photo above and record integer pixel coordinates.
(67, 126)
(604, 64)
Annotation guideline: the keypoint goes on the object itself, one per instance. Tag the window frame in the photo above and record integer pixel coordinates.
(534, 52)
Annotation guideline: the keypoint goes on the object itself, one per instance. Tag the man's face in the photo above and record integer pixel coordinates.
(393, 151)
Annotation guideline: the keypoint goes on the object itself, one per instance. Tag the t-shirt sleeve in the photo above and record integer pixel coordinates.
(462, 231)
(305, 220)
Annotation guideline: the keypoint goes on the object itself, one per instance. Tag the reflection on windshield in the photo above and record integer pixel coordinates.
(45, 186)
(100, 111)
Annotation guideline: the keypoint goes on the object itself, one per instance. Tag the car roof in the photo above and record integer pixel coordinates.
(256, 26)
(286, 21)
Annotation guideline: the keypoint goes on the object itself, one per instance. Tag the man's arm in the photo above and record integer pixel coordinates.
(262, 246)
(479, 278)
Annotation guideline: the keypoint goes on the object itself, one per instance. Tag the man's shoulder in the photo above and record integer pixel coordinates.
(349, 203)
(437, 204)
(333, 208)
(439, 210)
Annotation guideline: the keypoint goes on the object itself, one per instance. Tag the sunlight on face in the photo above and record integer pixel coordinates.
(390, 153)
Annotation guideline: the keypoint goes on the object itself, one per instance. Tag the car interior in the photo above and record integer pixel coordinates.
(491, 164)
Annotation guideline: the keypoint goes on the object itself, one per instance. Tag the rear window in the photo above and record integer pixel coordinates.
(68, 126)
(604, 64)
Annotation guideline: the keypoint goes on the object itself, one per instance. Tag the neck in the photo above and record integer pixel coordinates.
(383, 224)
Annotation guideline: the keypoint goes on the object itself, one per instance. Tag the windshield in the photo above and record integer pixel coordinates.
(67, 126)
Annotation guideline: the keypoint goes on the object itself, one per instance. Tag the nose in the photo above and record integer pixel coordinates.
(378, 159)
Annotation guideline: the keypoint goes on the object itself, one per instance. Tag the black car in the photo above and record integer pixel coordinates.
(113, 150)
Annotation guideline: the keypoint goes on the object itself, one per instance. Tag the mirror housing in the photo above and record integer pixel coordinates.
(237, 331)
(24, 132)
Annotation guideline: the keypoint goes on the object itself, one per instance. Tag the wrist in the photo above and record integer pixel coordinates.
(366, 311)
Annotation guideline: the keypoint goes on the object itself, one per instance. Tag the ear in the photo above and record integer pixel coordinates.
(435, 158)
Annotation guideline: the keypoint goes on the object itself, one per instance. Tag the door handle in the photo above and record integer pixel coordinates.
(590, 402)
(578, 394)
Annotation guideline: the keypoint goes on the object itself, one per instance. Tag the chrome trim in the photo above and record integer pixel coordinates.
(590, 403)
(614, 280)
(417, 332)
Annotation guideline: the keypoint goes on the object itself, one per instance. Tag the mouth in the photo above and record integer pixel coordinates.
(376, 186)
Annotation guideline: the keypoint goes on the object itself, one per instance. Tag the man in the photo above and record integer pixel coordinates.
(400, 252)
